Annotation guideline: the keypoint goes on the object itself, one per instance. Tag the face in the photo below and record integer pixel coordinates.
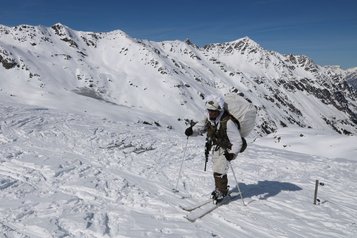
(213, 114)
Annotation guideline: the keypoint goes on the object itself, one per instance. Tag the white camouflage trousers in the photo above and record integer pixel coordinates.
(220, 163)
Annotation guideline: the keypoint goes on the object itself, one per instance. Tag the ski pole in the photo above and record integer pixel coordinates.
(234, 175)
(183, 159)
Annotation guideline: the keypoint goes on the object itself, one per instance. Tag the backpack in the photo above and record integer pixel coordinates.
(243, 111)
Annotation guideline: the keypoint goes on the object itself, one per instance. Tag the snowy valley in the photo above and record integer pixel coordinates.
(92, 138)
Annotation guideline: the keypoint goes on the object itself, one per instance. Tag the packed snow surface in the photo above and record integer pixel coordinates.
(66, 174)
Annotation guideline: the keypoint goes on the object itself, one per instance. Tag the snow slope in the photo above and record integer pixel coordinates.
(65, 174)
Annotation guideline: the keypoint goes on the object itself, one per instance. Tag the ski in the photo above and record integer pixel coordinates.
(205, 209)
(191, 207)
(180, 194)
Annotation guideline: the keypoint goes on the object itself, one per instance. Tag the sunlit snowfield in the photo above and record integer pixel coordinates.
(71, 175)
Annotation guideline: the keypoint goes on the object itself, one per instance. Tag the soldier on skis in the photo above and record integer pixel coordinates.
(224, 141)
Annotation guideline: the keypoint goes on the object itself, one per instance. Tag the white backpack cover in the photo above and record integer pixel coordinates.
(244, 111)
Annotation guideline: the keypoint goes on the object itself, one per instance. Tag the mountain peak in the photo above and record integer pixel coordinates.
(189, 42)
(246, 40)
(59, 25)
(241, 45)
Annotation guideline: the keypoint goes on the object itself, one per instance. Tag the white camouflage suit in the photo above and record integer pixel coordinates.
(220, 163)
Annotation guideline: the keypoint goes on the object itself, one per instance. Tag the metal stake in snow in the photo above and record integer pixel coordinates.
(317, 183)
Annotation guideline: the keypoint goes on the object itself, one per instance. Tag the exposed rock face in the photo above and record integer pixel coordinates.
(6, 59)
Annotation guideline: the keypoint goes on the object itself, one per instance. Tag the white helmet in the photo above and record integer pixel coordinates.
(215, 103)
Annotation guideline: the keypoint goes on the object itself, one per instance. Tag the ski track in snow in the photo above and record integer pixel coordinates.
(68, 175)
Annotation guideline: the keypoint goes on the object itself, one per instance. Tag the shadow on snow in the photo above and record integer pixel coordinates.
(265, 189)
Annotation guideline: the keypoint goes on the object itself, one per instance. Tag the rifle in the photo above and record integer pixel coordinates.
(208, 147)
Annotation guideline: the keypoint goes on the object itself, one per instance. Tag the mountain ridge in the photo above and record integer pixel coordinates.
(171, 78)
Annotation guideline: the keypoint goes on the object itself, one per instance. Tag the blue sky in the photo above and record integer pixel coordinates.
(325, 31)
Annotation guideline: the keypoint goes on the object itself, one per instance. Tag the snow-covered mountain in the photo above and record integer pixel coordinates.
(164, 83)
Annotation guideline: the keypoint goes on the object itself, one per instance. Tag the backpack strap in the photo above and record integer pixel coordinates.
(235, 120)
(244, 141)
(244, 145)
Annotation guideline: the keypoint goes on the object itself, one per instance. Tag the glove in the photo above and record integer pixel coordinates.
(229, 156)
(189, 131)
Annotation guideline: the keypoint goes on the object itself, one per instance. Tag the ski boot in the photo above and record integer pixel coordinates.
(222, 187)
(218, 196)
